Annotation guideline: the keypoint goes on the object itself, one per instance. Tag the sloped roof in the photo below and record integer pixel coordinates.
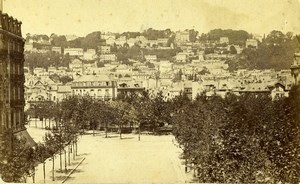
(92, 78)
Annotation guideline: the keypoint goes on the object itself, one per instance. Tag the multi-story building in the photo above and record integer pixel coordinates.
(11, 76)
(96, 86)
(182, 37)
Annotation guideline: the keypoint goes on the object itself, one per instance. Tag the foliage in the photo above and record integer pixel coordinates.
(45, 60)
(236, 37)
(16, 159)
(243, 139)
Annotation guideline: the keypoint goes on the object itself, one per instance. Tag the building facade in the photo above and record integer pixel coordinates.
(11, 75)
(95, 86)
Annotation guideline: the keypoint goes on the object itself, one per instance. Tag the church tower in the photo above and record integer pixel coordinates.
(295, 67)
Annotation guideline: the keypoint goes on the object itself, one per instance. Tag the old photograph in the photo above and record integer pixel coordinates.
(150, 91)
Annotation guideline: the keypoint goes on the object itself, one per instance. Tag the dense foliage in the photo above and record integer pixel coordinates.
(44, 60)
(236, 37)
(243, 139)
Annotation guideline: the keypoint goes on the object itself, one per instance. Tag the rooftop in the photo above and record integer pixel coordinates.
(92, 78)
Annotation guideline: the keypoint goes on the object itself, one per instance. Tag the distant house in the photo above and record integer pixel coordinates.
(56, 49)
(104, 49)
(279, 91)
(224, 40)
(126, 88)
(90, 54)
(108, 57)
(150, 58)
(182, 36)
(38, 71)
(181, 57)
(110, 40)
(74, 51)
(251, 43)
(52, 70)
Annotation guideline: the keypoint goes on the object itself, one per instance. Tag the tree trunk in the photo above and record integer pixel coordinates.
(139, 133)
(73, 150)
(66, 169)
(49, 123)
(53, 168)
(76, 148)
(120, 131)
(35, 123)
(106, 127)
(60, 161)
(44, 171)
(33, 175)
(69, 155)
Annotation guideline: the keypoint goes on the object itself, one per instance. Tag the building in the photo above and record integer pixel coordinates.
(150, 58)
(130, 87)
(96, 86)
(12, 78)
(56, 49)
(182, 37)
(224, 40)
(104, 49)
(295, 68)
(74, 51)
(251, 43)
(108, 57)
(181, 57)
(90, 54)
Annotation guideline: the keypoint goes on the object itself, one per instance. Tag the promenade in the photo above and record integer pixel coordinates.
(154, 159)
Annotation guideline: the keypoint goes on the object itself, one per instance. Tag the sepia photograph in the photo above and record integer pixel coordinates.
(150, 92)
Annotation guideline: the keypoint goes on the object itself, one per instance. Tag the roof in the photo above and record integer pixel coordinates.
(92, 78)
(64, 89)
(256, 87)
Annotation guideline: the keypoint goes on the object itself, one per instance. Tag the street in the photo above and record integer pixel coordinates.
(154, 159)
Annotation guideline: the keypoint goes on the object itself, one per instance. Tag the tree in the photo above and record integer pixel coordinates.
(233, 50)
(193, 35)
(65, 79)
(17, 160)
(59, 41)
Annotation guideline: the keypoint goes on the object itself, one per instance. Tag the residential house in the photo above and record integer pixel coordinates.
(56, 49)
(182, 36)
(104, 49)
(108, 57)
(90, 54)
(224, 40)
(181, 57)
(251, 43)
(74, 52)
(150, 58)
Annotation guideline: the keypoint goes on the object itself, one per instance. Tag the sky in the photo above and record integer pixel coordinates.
(81, 17)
